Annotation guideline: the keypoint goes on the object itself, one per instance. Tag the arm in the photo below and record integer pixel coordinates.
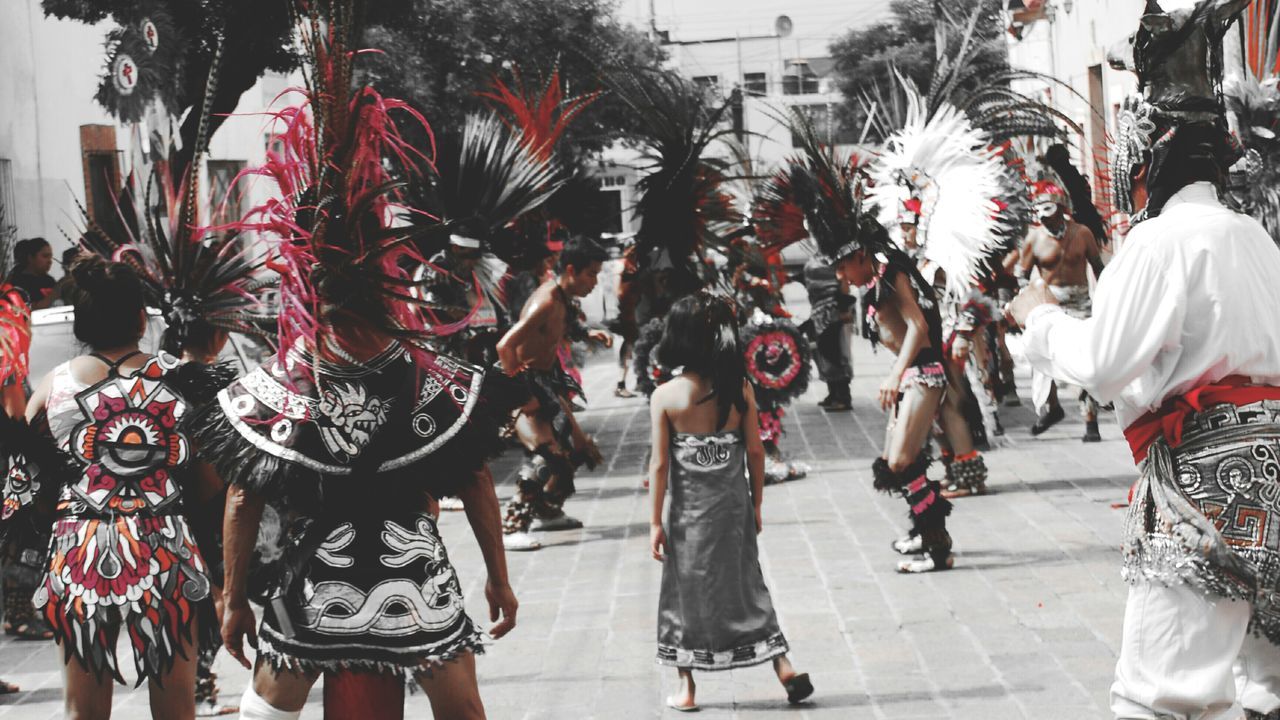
(36, 405)
(755, 451)
(485, 517)
(508, 347)
(1138, 312)
(239, 535)
(206, 515)
(1026, 260)
(916, 336)
(659, 465)
(1092, 252)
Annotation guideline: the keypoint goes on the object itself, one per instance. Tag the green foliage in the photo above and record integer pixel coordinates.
(864, 58)
(440, 53)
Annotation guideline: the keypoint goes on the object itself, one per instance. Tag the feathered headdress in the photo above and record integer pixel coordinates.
(951, 168)
(540, 117)
(145, 59)
(828, 188)
(335, 230)
(15, 313)
(682, 205)
(191, 274)
(1178, 113)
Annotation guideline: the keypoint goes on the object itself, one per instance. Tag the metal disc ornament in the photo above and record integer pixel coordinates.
(150, 35)
(124, 72)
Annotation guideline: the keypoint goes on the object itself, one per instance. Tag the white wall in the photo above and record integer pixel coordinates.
(1066, 48)
(49, 71)
(48, 74)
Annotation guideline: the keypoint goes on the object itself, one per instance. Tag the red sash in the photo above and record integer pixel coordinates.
(1167, 422)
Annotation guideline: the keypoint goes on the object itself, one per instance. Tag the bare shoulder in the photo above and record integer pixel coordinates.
(1082, 235)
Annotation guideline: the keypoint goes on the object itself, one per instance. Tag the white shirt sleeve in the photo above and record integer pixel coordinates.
(1138, 312)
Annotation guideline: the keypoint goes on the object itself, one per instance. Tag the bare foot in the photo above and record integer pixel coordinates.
(683, 700)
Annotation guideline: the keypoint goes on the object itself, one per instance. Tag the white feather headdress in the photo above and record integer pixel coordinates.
(951, 168)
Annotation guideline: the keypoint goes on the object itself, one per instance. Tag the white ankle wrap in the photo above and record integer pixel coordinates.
(253, 707)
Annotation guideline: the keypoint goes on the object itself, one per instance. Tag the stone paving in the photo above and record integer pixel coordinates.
(1027, 624)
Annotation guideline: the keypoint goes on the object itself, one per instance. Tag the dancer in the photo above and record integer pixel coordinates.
(714, 612)
(554, 443)
(965, 469)
(355, 425)
(831, 311)
(1063, 251)
(1175, 340)
(17, 445)
(124, 559)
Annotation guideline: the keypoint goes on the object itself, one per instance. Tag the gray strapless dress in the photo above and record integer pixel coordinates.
(714, 612)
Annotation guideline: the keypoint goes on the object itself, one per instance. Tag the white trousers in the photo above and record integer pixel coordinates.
(1186, 655)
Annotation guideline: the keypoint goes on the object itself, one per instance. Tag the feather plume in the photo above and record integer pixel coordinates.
(335, 229)
(941, 159)
(683, 206)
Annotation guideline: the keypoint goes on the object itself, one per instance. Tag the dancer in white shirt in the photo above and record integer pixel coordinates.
(1185, 339)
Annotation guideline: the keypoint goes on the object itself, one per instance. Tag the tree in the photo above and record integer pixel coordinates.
(256, 37)
(908, 42)
(438, 54)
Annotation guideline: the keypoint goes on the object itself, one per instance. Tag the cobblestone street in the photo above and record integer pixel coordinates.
(1026, 625)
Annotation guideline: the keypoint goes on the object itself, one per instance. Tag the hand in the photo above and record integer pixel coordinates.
(502, 607)
(601, 336)
(515, 368)
(657, 542)
(759, 521)
(960, 349)
(889, 391)
(238, 622)
(1031, 297)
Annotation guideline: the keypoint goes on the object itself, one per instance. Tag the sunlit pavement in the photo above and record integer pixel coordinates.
(1026, 625)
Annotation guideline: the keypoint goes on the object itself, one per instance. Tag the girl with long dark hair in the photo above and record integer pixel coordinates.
(714, 611)
(124, 560)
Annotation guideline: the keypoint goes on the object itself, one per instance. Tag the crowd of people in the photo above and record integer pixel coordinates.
(160, 500)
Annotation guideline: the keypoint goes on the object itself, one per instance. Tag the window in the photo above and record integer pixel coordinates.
(798, 83)
(221, 175)
(103, 181)
(755, 84)
(827, 124)
(8, 207)
(708, 83)
(611, 210)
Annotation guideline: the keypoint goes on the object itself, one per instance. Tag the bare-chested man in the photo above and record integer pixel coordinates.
(966, 470)
(1062, 250)
(546, 427)
(906, 321)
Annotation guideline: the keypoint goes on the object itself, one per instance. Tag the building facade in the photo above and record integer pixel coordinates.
(60, 150)
(1068, 40)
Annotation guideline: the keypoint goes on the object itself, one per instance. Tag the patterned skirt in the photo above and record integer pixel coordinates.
(1207, 513)
(137, 574)
(379, 595)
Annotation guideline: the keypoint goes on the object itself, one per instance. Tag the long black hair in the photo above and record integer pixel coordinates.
(702, 337)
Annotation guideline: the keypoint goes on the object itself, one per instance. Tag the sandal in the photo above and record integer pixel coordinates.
(911, 544)
(799, 688)
(924, 564)
(34, 630)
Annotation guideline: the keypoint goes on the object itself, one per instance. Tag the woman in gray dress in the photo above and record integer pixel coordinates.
(714, 612)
